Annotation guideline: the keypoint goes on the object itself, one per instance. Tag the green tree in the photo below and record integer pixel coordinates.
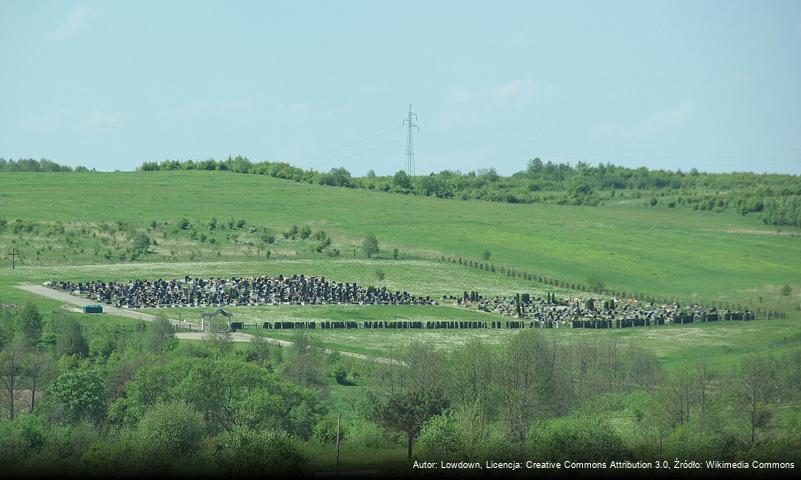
(425, 367)
(754, 386)
(170, 430)
(370, 245)
(12, 367)
(80, 394)
(534, 166)
(71, 341)
(486, 255)
(337, 177)
(395, 253)
(325, 431)
(407, 410)
(304, 365)
(38, 369)
(260, 349)
(30, 323)
(588, 437)
(401, 180)
(161, 335)
(527, 382)
(140, 243)
(219, 341)
(6, 327)
(251, 453)
(267, 238)
(471, 369)
(455, 434)
(261, 410)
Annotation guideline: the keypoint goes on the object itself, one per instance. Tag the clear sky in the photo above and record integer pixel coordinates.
(714, 85)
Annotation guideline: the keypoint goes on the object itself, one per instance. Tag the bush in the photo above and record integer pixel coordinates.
(113, 456)
(257, 453)
(170, 430)
(140, 243)
(585, 438)
(369, 435)
(439, 439)
(325, 431)
(341, 375)
(370, 245)
(79, 394)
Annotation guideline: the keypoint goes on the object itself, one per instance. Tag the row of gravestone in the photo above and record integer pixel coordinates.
(514, 324)
(430, 325)
(714, 317)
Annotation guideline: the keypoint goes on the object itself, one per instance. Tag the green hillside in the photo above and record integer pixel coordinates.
(661, 252)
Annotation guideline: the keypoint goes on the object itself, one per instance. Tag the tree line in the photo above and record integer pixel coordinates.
(537, 397)
(775, 198)
(105, 398)
(32, 165)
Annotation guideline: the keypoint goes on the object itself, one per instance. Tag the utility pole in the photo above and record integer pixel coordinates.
(409, 122)
(14, 254)
(339, 419)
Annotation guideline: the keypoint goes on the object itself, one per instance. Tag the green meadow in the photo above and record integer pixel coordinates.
(684, 254)
(660, 252)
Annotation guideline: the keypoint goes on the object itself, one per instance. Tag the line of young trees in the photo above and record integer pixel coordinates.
(595, 284)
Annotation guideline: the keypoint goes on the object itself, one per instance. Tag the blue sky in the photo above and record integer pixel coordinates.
(681, 84)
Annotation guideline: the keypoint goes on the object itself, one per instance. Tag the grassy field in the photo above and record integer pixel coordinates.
(677, 253)
(416, 276)
(721, 344)
(674, 345)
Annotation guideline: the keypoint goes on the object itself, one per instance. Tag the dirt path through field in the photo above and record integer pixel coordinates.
(238, 337)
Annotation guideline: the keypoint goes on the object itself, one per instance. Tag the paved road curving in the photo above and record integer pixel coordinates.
(238, 337)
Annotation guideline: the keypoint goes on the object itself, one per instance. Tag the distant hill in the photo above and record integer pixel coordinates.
(627, 247)
(774, 198)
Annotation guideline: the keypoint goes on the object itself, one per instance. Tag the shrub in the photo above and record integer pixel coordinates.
(325, 431)
(257, 453)
(370, 245)
(170, 430)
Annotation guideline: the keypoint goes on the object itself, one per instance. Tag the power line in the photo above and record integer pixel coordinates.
(347, 145)
(409, 122)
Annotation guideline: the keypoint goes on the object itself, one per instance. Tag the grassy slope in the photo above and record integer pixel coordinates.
(667, 252)
(663, 252)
